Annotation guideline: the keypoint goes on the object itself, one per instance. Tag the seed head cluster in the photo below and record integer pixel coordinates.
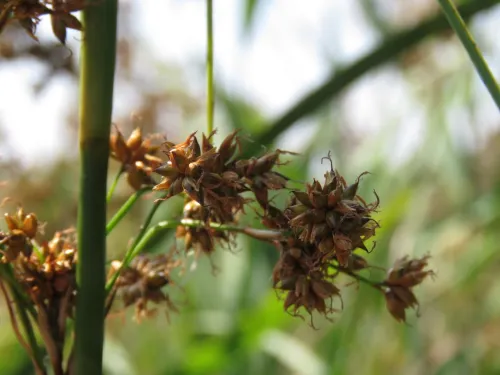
(137, 157)
(47, 275)
(201, 239)
(142, 282)
(215, 180)
(401, 278)
(28, 13)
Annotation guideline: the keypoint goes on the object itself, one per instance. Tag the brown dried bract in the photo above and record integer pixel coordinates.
(28, 13)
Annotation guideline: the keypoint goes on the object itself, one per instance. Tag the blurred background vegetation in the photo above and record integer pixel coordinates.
(407, 106)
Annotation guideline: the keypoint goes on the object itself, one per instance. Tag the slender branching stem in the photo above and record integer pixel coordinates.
(460, 28)
(374, 284)
(114, 184)
(210, 68)
(127, 206)
(140, 245)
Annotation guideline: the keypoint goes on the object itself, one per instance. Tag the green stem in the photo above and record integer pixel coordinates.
(114, 184)
(96, 101)
(354, 275)
(460, 28)
(137, 239)
(210, 68)
(139, 246)
(27, 325)
(127, 206)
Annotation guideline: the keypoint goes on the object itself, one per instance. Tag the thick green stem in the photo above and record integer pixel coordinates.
(127, 206)
(210, 68)
(96, 98)
(460, 28)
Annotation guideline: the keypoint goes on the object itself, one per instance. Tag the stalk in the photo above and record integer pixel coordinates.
(141, 242)
(114, 184)
(123, 211)
(96, 98)
(210, 68)
(460, 28)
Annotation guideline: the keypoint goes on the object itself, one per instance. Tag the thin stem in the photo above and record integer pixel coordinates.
(23, 309)
(334, 85)
(146, 223)
(6, 273)
(210, 68)
(114, 184)
(96, 102)
(30, 349)
(374, 284)
(139, 246)
(460, 28)
(127, 206)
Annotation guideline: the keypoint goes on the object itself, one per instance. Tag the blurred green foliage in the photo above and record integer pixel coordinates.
(442, 199)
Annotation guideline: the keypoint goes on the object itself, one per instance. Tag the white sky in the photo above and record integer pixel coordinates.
(290, 51)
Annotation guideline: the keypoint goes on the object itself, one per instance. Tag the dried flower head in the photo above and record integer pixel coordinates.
(201, 239)
(137, 157)
(216, 178)
(28, 13)
(49, 277)
(332, 217)
(306, 283)
(22, 229)
(142, 282)
(325, 224)
(401, 278)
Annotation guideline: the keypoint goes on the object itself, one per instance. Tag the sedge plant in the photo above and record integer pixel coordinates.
(60, 291)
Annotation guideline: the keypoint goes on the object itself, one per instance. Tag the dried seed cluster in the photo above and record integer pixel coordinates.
(142, 282)
(137, 157)
(216, 179)
(327, 223)
(201, 239)
(401, 278)
(22, 229)
(47, 275)
(28, 13)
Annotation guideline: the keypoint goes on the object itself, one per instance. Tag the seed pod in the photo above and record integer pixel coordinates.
(119, 147)
(324, 289)
(11, 222)
(302, 197)
(30, 225)
(134, 141)
(319, 232)
(332, 219)
(190, 188)
(351, 190)
(395, 306)
(227, 148)
(326, 245)
(288, 283)
(318, 199)
(295, 252)
(175, 188)
(290, 300)
(334, 197)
